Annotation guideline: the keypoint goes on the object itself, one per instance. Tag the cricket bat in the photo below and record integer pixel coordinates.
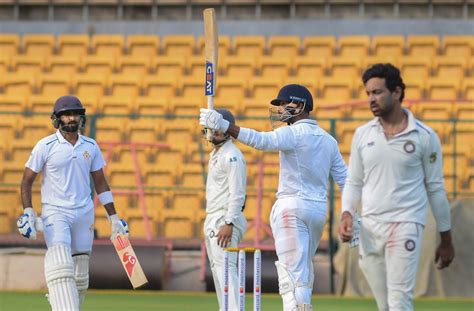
(129, 261)
(211, 48)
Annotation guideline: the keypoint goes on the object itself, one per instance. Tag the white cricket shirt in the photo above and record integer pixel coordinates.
(395, 178)
(66, 169)
(308, 154)
(226, 182)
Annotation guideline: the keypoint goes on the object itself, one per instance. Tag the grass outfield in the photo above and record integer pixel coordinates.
(147, 300)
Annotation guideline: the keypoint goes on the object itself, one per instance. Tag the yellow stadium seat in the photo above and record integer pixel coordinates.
(415, 67)
(42, 103)
(464, 137)
(110, 129)
(38, 45)
(151, 105)
(284, 46)
(463, 111)
(265, 88)
(347, 67)
(89, 86)
(94, 65)
(20, 152)
(63, 65)
(143, 46)
(449, 66)
(124, 86)
(4, 64)
(54, 84)
(169, 66)
(134, 66)
(377, 59)
(249, 46)
(258, 125)
(275, 66)
(177, 226)
(471, 64)
(107, 45)
(388, 46)
(458, 46)
(468, 88)
(231, 89)
(36, 127)
(12, 103)
(9, 44)
(186, 106)
(70, 45)
(169, 157)
(414, 88)
(310, 82)
(178, 45)
(116, 104)
(196, 67)
(191, 87)
(156, 201)
(18, 84)
(239, 67)
(360, 111)
(224, 46)
(335, 89)
(433, 110)
(143, 130)
(160, 176)
(180, 134)
(120, 176)
(354, 46)
(442, 88)
(191, 176)
(255, 108)
(159, 86)
(322, 46)
(309, 66)
(423, 45)
(90, 104)
(27, 64)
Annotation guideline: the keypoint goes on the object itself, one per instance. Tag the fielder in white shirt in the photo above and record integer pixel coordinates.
(307, 156)
(395, 169)
(67, 160)
(225, 224)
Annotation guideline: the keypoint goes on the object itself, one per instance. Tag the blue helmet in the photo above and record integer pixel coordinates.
(295, 93)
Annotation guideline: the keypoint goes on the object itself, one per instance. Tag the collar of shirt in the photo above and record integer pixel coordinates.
(308, 121)
(223, 146)
(63, 140)
(410, 127)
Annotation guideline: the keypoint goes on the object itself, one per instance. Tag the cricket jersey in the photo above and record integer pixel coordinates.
(396, 178)
(308, 154)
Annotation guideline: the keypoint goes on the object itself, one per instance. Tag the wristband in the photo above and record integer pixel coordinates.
(106, 197)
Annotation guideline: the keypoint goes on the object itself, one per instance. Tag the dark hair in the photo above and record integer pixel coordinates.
(390, 73)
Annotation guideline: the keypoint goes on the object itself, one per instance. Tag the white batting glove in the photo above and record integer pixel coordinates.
(213, 120)
(355, 231)
(119, 226)
(26, 223)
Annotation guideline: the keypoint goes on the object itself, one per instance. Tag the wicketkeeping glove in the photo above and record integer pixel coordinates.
(213, 120)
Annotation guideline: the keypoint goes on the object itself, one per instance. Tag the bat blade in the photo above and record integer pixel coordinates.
(129, 261)
(211, 47)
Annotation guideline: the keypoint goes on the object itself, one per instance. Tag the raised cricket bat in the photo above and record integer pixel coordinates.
(129, 261)
(211, 47)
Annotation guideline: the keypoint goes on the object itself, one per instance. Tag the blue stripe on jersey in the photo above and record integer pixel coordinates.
(422, 126)
(52, 141)
(90, 142)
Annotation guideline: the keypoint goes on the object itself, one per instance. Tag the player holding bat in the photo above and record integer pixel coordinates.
(67, 160)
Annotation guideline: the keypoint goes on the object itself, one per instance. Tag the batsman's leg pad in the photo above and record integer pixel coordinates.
(59, 273)
(81, 275)
(286, 286)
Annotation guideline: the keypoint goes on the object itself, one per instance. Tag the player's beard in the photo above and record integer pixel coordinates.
(71, 127)
(382, 110)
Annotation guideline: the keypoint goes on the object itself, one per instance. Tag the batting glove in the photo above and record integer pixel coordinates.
(213, 120)
(26, 223)
(119, 226)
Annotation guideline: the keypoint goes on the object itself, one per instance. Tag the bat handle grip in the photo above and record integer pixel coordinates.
(210, 105)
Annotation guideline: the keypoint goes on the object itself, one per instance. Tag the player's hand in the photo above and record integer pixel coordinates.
(224, 236)
(345, 227)
(26, 223)
(213, 120)
(119, 226)
(444, 254)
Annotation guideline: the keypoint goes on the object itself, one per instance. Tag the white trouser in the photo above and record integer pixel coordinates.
(297, 227)
(71, 227)
(389, 253)
(215, 253)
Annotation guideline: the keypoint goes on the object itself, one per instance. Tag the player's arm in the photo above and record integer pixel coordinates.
(338, 168)
(352, 192)
(27, 181)
(434, 182)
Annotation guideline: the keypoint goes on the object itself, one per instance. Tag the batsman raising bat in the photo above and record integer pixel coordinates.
(67, 160)
(307, 156)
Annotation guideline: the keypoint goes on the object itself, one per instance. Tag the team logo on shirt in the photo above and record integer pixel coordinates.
(410, 245)
(409, 147)
(433, 157)
(86, 155)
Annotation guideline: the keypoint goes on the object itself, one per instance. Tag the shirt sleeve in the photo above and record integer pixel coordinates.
(352, 193)
(279, 139)
(338, 168)
(237, 176)
(98, 161)
(38, 157)
(434, 182)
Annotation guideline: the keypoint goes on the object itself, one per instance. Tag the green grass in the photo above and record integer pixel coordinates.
(148, 300)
